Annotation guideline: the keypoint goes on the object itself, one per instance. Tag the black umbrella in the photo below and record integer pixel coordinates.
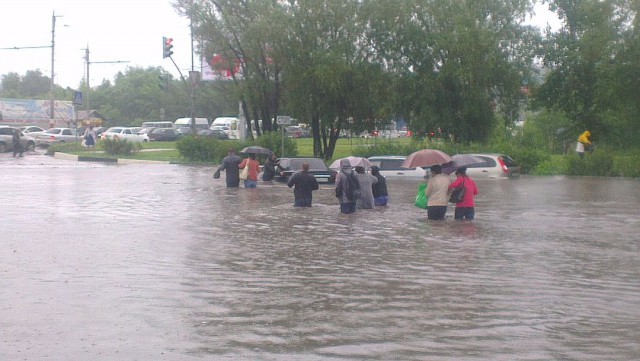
(256, 149)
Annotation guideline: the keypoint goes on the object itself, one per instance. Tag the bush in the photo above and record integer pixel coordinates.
(273, 141)
(120, 147)
(205, 149)
(211, 150)
(627, 166)
(593, 164)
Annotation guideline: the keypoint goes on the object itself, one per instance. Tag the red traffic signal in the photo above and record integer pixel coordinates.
(166, 47)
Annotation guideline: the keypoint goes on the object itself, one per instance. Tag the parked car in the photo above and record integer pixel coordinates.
(214, 133)
(6, 139)
(222, 128)
(391, 166)
(495, 166)
(124, 133)
(163, 134)
(31, 129)
(285, 167)
(57, 135)
(185, 130)
(296, 131)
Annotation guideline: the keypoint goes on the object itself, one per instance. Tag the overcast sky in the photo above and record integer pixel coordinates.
(114, 30)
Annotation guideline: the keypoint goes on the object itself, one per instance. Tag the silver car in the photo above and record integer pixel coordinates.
(494, 166)
(6, 139)
(57, 135)
(391, 166)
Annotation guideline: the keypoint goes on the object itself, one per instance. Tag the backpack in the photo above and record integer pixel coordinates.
(352, 190)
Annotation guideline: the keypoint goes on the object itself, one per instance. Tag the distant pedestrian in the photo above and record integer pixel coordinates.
(230, 166)
(584, 142)
(305, 183)
(90, 137)
(15, 142)
(254, 170)
(437, 193)
(269, 168)
(366, 181)
(380, 194)
(347, 188)
(466, 208)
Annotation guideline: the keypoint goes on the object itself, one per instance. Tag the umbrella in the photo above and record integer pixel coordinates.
(426, 158)
(355, 161)
(461, 160)
(255, 149)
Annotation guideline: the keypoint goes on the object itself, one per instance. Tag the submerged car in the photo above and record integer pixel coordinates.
(494, 166)
(285, 167)
(391, 166)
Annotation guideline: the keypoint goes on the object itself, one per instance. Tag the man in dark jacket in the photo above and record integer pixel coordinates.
(230, 166)
(304, 183)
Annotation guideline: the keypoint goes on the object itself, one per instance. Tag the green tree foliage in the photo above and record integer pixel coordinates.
(594, 68)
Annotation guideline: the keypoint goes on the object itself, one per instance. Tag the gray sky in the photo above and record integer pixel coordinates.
(125, 30)
(114, 30)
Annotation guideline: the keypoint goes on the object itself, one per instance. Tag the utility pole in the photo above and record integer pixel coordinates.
(88, 62)
(53, 54)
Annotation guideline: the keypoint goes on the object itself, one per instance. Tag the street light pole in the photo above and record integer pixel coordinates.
(53, 54)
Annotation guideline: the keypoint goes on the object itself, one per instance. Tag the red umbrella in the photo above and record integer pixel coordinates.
(426, 158)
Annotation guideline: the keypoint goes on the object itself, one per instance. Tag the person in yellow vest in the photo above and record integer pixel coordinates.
(584, 142)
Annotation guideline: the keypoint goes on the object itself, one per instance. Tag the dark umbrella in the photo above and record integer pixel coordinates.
(426, 158)
(256, 149)
(461, 160)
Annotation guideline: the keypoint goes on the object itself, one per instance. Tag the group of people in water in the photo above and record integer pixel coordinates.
(354, 187)
(354, 190)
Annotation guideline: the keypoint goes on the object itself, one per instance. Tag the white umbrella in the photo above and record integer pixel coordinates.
(355, 161)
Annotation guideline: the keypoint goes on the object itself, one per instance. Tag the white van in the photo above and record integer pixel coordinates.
(166, 124)
(227, 124)
(201, 123)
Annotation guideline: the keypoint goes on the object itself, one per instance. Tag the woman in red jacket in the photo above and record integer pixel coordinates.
(466, 208)
(254, 170)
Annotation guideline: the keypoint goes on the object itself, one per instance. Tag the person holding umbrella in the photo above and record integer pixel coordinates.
(466, 208)
(437, 193)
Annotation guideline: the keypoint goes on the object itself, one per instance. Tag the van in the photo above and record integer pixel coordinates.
(166, 124)
(228, 124)
(201, 123)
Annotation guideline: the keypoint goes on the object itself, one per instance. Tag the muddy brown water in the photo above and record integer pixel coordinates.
(161, 262)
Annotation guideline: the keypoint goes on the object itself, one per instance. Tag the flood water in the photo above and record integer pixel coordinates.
(162, 262)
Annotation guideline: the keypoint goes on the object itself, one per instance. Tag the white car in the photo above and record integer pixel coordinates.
(129, 134)
(495, 166)
(57, 135)
(31, 130)
(391, 166)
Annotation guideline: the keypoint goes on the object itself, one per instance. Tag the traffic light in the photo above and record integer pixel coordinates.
(166, 47)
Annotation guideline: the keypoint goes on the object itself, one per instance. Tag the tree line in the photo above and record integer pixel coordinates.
(471, 68)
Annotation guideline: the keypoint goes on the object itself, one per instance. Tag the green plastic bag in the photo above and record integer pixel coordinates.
(421, 197)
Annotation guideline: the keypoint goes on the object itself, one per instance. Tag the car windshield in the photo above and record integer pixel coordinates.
(54, 131)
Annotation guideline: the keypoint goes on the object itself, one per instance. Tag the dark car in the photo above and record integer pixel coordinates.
(163, 135)
(213, 133)
(285, 167)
